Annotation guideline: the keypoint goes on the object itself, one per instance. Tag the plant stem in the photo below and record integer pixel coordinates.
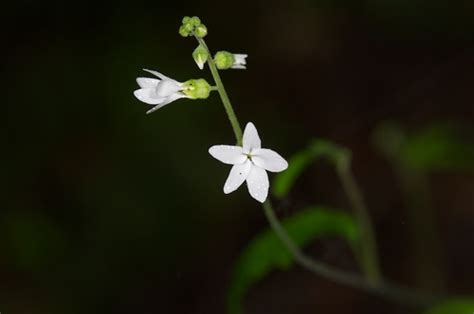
(368, 245)
(347, 278)
(222, 92)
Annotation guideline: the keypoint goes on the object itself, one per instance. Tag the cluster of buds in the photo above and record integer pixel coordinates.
(192, 26)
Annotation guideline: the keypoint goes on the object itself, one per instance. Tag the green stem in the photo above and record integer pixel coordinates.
(385, 290)
(222, 92)
(368, 245)
(425, 237)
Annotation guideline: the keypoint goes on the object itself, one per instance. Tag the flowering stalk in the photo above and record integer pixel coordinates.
(250, 163)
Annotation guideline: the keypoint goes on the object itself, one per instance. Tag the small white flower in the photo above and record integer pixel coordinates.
(250, 163)
(158, 92)
(239, 62)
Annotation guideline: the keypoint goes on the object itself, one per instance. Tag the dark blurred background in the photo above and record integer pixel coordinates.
(109, 210)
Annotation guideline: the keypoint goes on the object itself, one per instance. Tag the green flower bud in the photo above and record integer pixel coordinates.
(201, 31)
(189, 27)
(200, 56)
(186, 20)
(183, 31)
(195, 21)
(224, 60)
(197, 89)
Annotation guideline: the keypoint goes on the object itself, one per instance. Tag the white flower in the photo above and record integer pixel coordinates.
(159, 92)
(250, 163)
(239, 61)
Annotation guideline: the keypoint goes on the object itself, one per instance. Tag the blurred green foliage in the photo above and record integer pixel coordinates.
(299, 162)
(266, 253)
(454, 306)
(437, 147)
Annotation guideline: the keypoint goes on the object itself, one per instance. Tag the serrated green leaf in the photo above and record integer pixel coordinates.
(266, 253)
(454, 306)
(299, 162)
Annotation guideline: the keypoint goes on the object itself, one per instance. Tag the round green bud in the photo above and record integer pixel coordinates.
(201, 31)
(200, 56)
(197, 89)
(186, 20)
(224, 60)
(195, 21)
(189, 27)
(183, 31)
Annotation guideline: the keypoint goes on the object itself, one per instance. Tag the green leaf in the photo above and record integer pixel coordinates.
(439, 148)
(266, 253)
(285, 180)
(454, 306)
(433, 148)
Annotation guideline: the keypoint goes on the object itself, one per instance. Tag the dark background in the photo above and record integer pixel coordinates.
(109, 210)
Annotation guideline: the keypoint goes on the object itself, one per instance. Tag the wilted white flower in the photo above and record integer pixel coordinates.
(158, 92)
(239, 61)
(250, 163)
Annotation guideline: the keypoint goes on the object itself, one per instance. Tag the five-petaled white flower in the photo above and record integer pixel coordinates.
(239, 61)
(250, 163)
(158, 92)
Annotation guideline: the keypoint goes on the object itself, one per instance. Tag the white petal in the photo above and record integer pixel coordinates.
(167, 88)
(148, 96)
(237, 176)
(161, 76)
(230, 155)
(257, 182)
(238, 67)
(154, 108)
(269, 160)
(146, 82)
(166, 101)
(240, 58)
(241, 55)
(200, 62)
(250, 140)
